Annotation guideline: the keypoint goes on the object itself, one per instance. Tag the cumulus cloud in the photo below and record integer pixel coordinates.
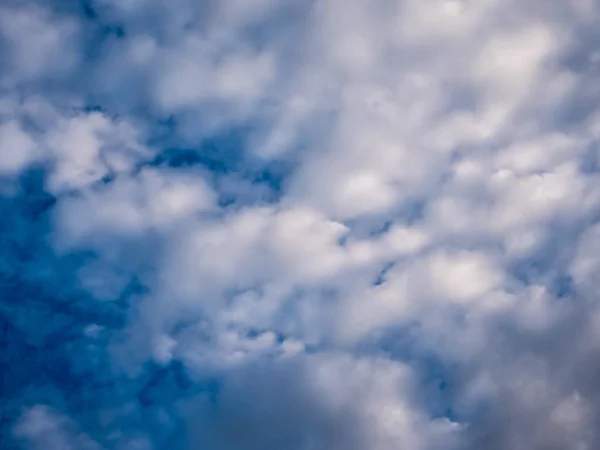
(306, 225)
(38, 44)
(18, 148)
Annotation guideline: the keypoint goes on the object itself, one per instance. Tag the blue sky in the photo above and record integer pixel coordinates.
(304, 225)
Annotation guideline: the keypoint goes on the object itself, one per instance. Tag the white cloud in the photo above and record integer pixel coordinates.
(89, 147)
(132, 206)
(17, 148)
(42, 428)
(439, 221)
(37, 44)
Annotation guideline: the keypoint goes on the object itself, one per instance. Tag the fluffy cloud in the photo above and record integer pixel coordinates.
(18, 148)
(38, 44)
(306, 225)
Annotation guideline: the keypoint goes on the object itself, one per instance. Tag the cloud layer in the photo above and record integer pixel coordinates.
(312, 225)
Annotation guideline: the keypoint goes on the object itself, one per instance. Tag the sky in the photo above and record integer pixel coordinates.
(299, 224)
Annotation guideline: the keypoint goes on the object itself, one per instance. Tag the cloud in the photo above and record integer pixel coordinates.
(44, 429)
(340, 402)
(38, 45)
(310, 225)
(18, 148)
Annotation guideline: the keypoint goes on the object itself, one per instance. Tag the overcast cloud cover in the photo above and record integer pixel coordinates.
(300, 224)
